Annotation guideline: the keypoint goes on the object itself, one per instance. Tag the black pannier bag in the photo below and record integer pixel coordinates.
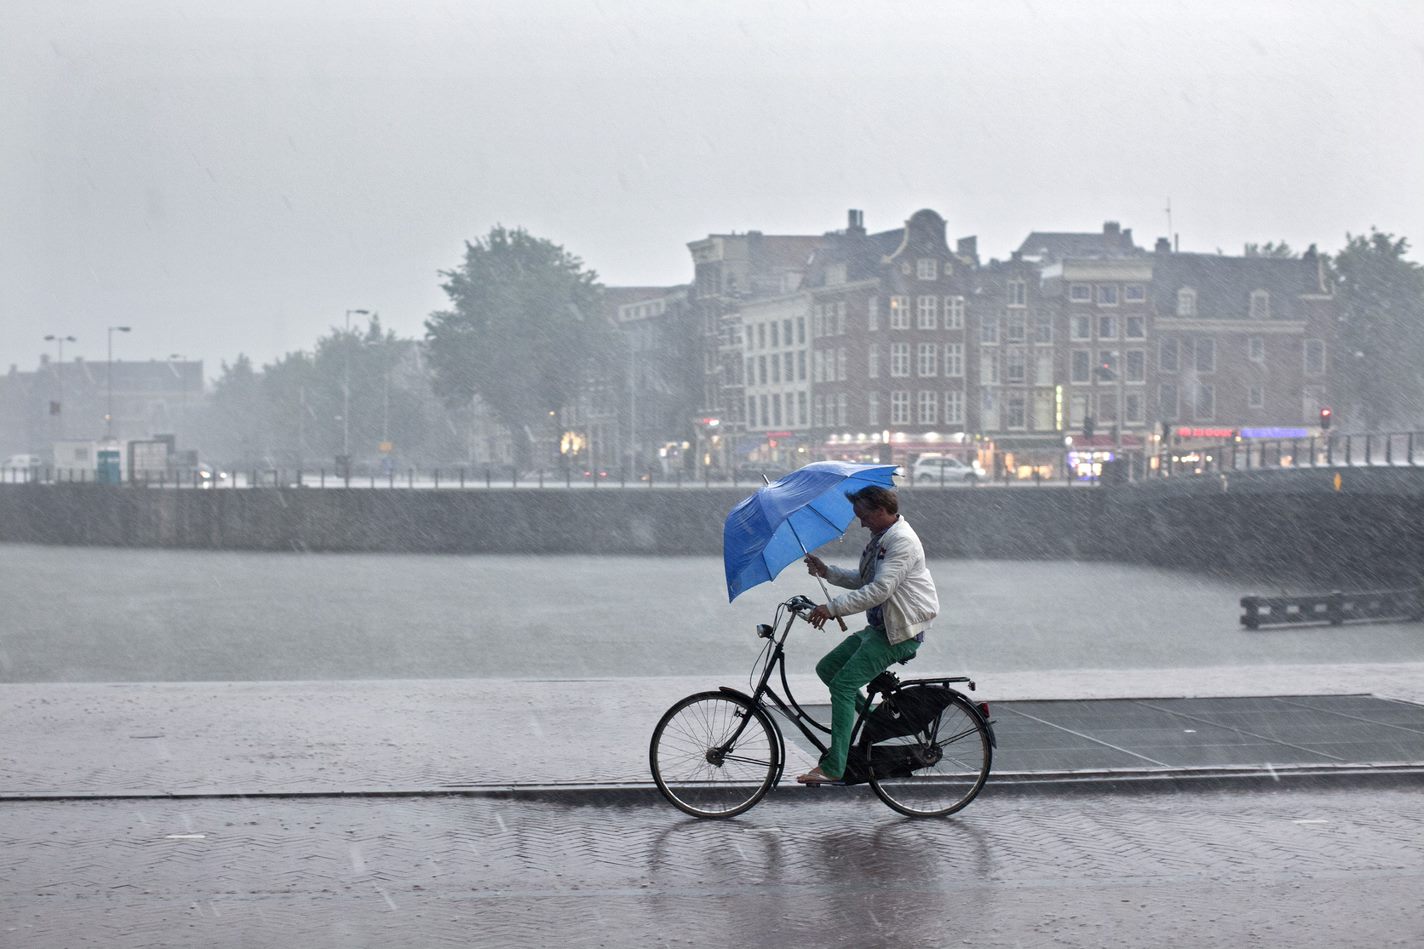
(905, 712)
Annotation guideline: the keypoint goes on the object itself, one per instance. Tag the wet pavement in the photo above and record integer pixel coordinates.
(827, 867)
(582, 735)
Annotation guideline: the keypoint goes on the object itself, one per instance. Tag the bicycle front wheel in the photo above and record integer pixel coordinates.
(714, 755)
(937, 771)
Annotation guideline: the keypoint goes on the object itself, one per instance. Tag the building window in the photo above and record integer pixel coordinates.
(1256, 397)
(988, 329)
(954, 408)
(1260, 305)
(927, 312)
(761, 409)
(1018, 293)
(1107, 407)
(1043, 410)
(1107, 327)
(1256, 348)
(1015, 410)
(1167, 402)
(1043, 367)
(1107, 294)
(1080, 369)
(751, 365)
(1135, 367)
(1014, 360)
(842, 402)
(1167, 360)
(776, 410)
(761, 336)
(927, 268)
(872, 314)
(775, 368)
(899, 360)
(1314, 357)
(988, 410)
(841, 318)
(989, 367)
(801, 409)
(1080, 293)
(927, 357)
(1107, 366)
(872, 408)
(1132, 407)
(1043, 328)
(954, 360)
(1206, 355)
(801, 365)
(954, 313)
(1186, 302)
(900, 407)
(872, 362)
(1134, 293)
(751, 411)
(775, 335)
(788, 366)
(801, 330)
(818, 409)
(1206, 403)
(818, 322)
(899, 313)
(1135, 327)
(841, 364)
(928, 413)
(762, 375)
(1016, 327)
(1080, 326)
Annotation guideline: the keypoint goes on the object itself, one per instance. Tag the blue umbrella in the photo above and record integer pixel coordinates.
(788, 518)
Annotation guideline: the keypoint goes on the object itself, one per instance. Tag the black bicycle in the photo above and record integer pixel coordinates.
(925, 748)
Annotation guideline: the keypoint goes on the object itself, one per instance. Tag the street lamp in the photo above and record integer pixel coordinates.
(58, 408)
(109, 372)
(346, 390)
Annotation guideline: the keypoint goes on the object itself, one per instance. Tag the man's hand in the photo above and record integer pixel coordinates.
(815, 566)
(819, 616)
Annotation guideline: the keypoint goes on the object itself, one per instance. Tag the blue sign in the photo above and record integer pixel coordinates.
(1275, 433)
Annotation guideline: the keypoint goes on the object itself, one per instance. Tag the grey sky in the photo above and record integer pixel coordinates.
(232, 177)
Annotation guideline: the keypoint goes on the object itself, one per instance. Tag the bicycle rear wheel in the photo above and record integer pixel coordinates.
(714, 755)
(950, 757)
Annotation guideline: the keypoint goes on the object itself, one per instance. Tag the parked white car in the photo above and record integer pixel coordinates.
(945, 469)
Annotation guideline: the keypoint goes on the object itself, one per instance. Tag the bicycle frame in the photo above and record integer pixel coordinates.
(798, 716)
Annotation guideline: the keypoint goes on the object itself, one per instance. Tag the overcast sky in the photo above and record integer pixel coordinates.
(232, 177)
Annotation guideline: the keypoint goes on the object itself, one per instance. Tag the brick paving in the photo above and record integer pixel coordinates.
(1220, 868)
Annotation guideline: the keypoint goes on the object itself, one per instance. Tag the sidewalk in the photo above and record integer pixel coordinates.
(493, 736)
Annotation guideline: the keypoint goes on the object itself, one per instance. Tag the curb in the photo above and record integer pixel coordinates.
(1015, 784)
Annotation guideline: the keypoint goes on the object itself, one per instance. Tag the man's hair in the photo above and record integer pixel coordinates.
(873, 495)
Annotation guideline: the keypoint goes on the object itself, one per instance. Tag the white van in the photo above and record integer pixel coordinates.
(945, 469)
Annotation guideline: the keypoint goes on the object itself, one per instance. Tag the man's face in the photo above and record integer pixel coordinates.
(873, 519)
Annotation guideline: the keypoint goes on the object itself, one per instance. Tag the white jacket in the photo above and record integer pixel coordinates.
(894, 575)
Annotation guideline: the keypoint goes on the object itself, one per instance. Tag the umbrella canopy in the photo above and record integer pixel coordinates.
(788, 518)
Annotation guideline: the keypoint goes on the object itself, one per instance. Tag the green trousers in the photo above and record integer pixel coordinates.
(847, 669)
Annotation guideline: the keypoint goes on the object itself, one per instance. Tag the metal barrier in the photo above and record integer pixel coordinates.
(1333, 608)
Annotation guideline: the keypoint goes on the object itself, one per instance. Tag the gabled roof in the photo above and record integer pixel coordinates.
(1049, 246)
(1224, 285)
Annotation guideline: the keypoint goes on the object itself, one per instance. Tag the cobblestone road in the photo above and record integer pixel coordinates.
(1277, 868)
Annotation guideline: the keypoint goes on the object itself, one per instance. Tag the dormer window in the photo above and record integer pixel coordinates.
(1186, 302)
(1260, 305)
(1018, 293)
(927, 268)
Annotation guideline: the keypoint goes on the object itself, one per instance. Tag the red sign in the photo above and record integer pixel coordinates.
(1206, 432)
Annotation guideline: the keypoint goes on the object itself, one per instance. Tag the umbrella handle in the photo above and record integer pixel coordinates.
(827, 592)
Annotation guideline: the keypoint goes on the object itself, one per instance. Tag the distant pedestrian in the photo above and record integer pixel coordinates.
(894, 589)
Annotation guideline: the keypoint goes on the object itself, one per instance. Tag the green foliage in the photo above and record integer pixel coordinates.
(522, 333)
(1382, 329)
(1281, 251)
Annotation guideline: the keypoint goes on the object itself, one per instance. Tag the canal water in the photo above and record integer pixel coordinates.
(91, 614)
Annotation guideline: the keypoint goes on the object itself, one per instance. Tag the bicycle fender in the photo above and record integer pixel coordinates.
(775, 729)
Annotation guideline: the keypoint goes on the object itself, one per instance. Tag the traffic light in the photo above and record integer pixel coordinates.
(1166, 432)
(1325, 416)
(1088, 426)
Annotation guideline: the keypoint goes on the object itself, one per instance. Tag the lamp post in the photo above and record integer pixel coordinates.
(109, 373)
(346, 390)
(59, 376)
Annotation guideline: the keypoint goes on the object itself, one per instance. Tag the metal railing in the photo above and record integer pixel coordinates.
(1344, 450)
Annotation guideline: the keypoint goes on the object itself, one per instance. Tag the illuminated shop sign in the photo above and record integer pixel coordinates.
(1275, 433)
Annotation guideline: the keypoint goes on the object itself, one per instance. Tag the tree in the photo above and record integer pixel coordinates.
(1281, 251)
(522, 333)
(1382, 330)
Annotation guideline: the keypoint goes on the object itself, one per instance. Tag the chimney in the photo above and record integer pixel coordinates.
(968, 247)
(1164, 246)
(1112, 232)
(855, 222)
(1126, 238)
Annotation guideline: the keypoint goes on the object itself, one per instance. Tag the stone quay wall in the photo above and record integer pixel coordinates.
(1369, 530)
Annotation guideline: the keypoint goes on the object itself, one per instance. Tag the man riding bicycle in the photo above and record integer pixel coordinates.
(893, 587)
